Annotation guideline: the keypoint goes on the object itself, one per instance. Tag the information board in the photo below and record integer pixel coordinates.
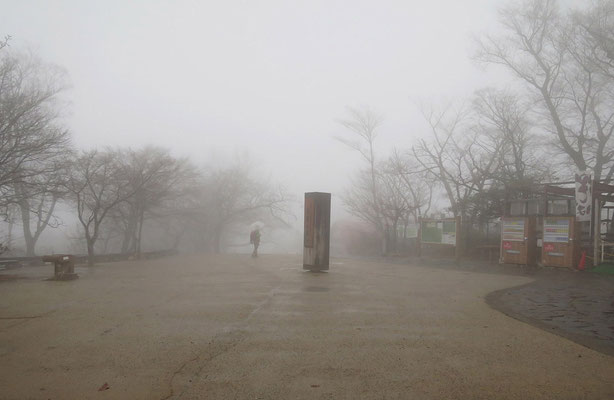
(442, 231)
(556, 230)
(512, 230)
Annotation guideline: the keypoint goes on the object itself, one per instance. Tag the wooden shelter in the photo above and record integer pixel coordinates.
(543, 228)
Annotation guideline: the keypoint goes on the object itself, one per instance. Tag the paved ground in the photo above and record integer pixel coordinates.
(238, 328)
(578, 306)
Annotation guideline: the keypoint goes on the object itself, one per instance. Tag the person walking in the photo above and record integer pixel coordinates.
(254, 238)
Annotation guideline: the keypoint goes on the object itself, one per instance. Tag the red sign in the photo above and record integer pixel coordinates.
(548, 246)
(507, 245)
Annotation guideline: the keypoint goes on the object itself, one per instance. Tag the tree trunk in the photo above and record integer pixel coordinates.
(24, 208)
(385, 244)
(90, 252)
(30, 247)
(140, 234)
(129, 233)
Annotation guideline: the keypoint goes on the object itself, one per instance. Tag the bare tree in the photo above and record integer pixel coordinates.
(597, 25)
(501, 115)
(30, 108)
(363, 197)
(37, 201)
(156, 178)
(97, 182)
(232, 196)
(32, 139)
(5, 42)
(396, 202)
(416, 186)
(548, 52)
(462, 160)
(9, 215)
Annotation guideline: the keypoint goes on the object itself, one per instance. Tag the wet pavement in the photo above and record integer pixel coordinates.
(576, 305)
(233, 327)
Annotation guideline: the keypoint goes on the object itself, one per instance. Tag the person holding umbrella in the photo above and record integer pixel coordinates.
(254, 238)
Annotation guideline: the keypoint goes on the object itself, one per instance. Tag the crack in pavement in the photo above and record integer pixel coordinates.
(22, 319)
(221, 343)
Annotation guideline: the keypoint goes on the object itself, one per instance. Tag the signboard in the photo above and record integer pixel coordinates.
(448, 234)
(556, 230)
(441, 231)
(584, 196)
(309, 221)
(513, 230)
(518, 240)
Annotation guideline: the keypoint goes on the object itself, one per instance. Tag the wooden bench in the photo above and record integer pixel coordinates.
(64, 266)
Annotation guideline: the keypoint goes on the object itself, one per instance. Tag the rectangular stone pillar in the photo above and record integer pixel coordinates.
(316, 246)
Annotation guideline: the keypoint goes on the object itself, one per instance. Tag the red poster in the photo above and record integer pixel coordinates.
(548, 246)
(507, 245)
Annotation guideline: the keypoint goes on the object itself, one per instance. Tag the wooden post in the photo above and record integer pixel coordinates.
(596, 229)
(419, 238)
(316, 246)
(459, 239)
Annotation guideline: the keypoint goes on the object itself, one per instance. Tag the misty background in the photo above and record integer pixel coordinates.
(268, 82)
(211, 78)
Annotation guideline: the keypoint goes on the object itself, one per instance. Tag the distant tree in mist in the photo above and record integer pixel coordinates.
(234, 196)
(156, 179)
(4, 41)
(37, 200)
(120, 194)
(117, 194)
(384, 193)
(414, 185)
(363, 197)
(97, 182)
(462, 159)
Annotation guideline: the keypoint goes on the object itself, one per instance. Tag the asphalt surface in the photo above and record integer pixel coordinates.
(233, 327)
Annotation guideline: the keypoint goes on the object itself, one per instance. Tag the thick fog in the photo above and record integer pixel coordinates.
(205, 78)
(264, 81)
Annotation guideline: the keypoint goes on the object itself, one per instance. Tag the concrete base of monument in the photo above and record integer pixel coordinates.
(315, 268)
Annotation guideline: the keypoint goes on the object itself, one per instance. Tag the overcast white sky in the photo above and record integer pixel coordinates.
(217, 77)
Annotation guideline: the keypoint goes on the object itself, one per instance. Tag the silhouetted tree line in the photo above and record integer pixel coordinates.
(556, 117)
(113, 192)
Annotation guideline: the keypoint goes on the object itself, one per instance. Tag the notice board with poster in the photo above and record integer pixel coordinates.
(440, 231)
(518, 240)
(513, 229)
(560, 247)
